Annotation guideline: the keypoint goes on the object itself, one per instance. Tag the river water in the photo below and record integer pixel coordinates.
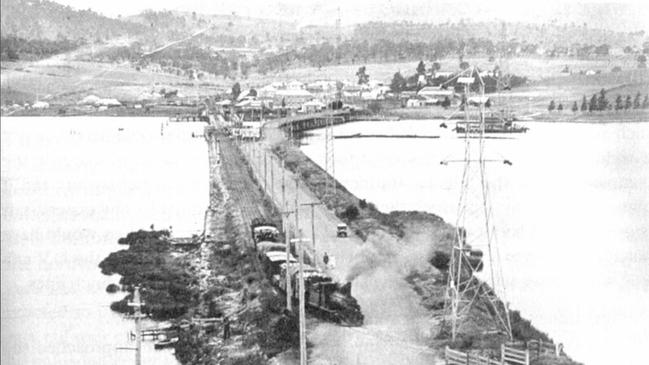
(571, 214)
(70, 188)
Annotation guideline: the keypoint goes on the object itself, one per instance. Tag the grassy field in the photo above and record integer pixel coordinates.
(69, 81)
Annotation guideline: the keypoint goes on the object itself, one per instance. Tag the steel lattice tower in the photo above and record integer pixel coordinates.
(330, 166)
(464, 288)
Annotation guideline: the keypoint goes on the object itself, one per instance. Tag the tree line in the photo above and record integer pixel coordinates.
(426, 76)
(599, 102)
(13, 48)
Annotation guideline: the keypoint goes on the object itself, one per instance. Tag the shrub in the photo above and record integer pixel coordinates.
(350, 213)
(112, 288)
(362, 203)
(440, 260)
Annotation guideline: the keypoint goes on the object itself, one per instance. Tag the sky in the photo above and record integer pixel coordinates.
(621, 15)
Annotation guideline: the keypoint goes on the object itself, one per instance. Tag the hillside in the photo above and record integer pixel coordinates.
(47, 20)
(545, 35)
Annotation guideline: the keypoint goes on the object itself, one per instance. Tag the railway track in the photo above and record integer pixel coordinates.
(244, 192)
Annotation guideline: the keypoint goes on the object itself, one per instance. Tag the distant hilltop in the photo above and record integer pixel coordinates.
(48, 20)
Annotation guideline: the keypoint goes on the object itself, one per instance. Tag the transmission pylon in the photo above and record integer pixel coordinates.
(330, 165)
(502, 75)
(468, 285)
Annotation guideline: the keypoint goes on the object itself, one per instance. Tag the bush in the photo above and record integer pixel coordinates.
(350, 213)
(362, 204)
(112, 288)
(523, 330)
(440, 260)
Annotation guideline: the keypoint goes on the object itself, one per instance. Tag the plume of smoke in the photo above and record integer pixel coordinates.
(413, 252)
(379, 249)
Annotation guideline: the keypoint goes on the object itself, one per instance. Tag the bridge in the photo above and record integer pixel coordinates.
(304, 122)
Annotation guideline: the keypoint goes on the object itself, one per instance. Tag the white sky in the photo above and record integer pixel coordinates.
(624, 15)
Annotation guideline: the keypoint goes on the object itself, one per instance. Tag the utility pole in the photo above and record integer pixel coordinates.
(283, 184)
(297, 206)
(300, 242)
(315, 254)
(272, 179)
(137, 305)
(288, 255)
(302, 312)
(265, 172)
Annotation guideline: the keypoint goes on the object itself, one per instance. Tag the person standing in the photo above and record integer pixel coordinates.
(325, 259)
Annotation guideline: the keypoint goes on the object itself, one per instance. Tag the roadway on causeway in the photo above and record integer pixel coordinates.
(396, 326)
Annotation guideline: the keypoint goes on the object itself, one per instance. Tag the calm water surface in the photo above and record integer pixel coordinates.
(70, 188)
(572, 216)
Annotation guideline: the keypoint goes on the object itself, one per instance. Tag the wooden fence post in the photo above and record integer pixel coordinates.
(527, 357)
(468, 360)
(502, 354)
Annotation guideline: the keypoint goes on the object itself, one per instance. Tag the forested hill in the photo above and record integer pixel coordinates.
(47, 20)
(546, 35)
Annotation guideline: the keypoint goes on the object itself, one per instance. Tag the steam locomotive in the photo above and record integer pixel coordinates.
(323, 296)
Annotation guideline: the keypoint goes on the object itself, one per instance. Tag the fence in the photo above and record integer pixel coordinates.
(508, 356)
(454, 357)
(537, 348)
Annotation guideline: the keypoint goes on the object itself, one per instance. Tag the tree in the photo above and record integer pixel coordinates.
(551, 106)
(12, 55)
(642, 61)
(636, 101)
(592, 106)
(602, 102)
(645, 102)
(421, 68)
(560, 107)
(602, 50)
(575, 108)
(236, 90)
(618, 102)
(584, 104)
(447, 102)
(398, 83)
(436, 66)
(628, 103)
(363, 77)
(464, 65)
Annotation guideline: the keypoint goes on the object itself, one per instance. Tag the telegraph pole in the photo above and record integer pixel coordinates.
(137, 305)
(297, 206)
(265, 171)
(300, 241)
(315, 254)
(288, 255)
(283, 184)
(302, 311)
(272, 179)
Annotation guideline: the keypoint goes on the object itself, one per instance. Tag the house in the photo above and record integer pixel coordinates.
(415, 103)
(292, 98)
(267, 92)
(41, 105)
(108, 103)
(294, 85)
(477, 100)
(376, 93)
(435, 93)
(89, 100)
(321, 86)
(312, 106)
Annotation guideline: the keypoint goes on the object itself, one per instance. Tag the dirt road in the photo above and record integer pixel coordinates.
(396, 326)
